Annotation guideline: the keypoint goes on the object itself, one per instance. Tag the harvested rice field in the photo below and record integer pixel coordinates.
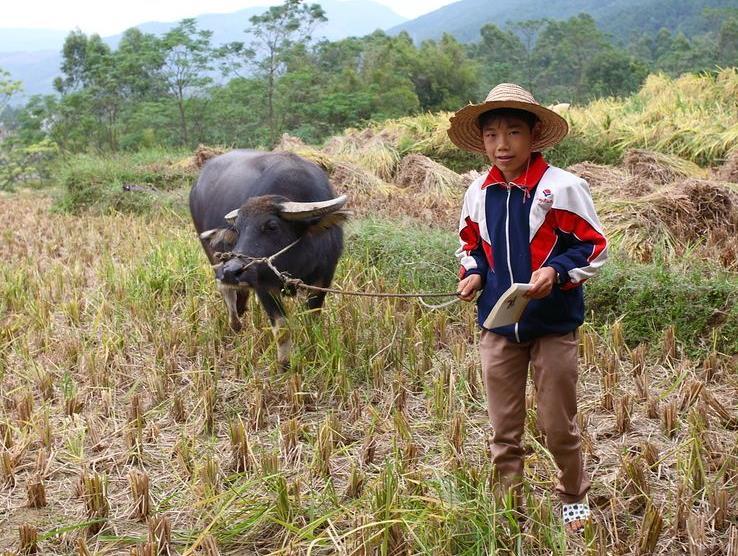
(133, 421)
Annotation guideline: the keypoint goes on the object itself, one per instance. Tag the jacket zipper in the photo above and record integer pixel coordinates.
(507, 245)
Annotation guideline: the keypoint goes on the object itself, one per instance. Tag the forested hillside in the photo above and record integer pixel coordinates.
(181, 89)
(621, 18)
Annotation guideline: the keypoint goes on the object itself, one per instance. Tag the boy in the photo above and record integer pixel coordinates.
(526, 221)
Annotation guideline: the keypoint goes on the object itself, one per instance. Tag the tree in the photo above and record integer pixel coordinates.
(139, 59)
(187, 56)
(502, 57)
(529, 31)
(277, 32)
(91, 81)
(80, 57)
(562, 53)
(613, 73)
(727, 43)
(444, 77)
(8, 88)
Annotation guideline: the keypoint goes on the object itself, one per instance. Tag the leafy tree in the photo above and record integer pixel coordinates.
(8, 88)
(91, 83)
(277, 32)
(139, 58)
(444, 77)
(528, 31)
(187, 57)
(727, 43)
(563, 51)
(81, 56)
(19, 161)
(502, 58)
(613, 72)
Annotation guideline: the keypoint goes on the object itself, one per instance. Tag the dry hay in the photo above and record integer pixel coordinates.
(289, 143)
(659, 168)
(355, 140)
(692, 208)
(295, 145)
(203, 153)
(316, 157)
(352, 179)
(467, 178)
(671, 218)
(375, 152)
(611, 181)
(729, 170)
(422, 175)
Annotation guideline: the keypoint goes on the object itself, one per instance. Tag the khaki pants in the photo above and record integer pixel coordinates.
(505, 372)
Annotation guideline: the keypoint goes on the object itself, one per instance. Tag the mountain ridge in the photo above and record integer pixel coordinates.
(464, 18)
(37, 68)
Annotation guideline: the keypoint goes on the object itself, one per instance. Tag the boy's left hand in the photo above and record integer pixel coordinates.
(543, 281)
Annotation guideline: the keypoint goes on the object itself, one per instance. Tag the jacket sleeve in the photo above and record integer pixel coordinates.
(579, 227)
(470, 253)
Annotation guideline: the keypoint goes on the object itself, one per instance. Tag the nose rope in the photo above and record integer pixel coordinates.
(228, 255)
(296, 282)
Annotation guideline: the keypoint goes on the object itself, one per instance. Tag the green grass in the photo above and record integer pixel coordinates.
(414, 256)
(95, 182)
(698, 300)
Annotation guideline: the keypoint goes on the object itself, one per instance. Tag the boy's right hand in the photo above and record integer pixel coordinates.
(469, 286)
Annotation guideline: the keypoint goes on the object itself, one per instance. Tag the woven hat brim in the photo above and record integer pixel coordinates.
(464, 131)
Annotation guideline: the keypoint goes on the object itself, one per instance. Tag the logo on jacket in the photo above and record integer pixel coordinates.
(546, 197)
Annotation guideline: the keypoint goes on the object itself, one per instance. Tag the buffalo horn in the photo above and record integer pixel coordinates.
(208, 233)
(302, 211)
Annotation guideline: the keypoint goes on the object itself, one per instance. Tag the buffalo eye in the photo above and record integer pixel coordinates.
(269, 226)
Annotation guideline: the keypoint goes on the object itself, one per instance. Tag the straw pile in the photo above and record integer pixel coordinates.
(289, 143)
(203, 153)
(658, 168)
(609, 181)
(356, 140)
(373, 151)
(352, 179)
(467, 178)
(692, 208)
(658, 202)
(419, 173)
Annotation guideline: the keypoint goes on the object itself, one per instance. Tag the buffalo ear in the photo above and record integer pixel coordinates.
(220, 239)
(329, 220)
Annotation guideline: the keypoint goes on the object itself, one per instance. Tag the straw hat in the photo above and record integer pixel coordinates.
(465, 133)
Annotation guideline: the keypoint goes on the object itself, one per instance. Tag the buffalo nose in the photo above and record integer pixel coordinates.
(231, 270)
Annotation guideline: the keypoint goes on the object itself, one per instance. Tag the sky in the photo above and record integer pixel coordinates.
(107, 18)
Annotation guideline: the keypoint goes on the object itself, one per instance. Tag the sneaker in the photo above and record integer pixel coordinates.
(576, 516)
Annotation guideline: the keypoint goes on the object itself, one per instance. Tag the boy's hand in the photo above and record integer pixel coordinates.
(469, 286)
(543, 281)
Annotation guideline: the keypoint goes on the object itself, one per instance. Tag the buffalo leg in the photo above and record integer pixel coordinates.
(230, 296)
(275, 311)
(315, 301)
(242, 298)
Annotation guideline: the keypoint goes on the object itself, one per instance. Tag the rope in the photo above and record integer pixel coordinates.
(296, 282)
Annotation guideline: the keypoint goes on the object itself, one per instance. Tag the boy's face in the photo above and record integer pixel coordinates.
(507, 142)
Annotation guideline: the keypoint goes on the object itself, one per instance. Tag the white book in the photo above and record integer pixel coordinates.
(509, 308)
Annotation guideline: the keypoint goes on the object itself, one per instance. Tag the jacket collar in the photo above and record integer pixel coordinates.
(527, 180)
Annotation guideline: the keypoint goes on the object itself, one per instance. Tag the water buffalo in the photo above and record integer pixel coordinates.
(254, 204)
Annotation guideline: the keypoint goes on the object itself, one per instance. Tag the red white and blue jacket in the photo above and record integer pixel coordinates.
(508, 230)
